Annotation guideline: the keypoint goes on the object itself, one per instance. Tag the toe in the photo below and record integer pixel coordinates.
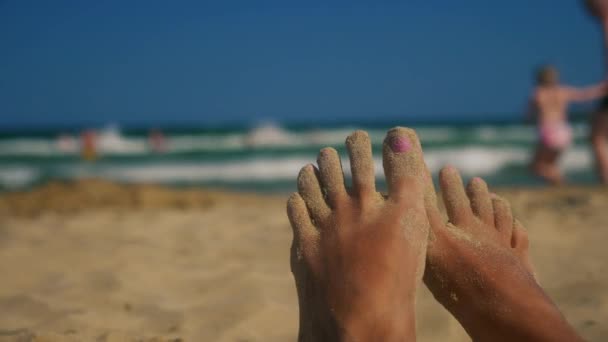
(519, 238)
(403, 162)
(404, 166)
(481, 200)
(331, 176)
(454, 197)
(361, 163)
(503, 219)
(521, 244)
(310, 190)
(306, 237)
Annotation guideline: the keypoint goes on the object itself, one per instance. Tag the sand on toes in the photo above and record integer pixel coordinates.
(478, 268)
(352, 246)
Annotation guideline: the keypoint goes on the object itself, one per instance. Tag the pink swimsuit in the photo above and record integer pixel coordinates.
(556, 136)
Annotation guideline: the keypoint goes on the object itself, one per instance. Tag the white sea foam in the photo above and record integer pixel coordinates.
(505, 134)
(112, 143)
(436, 134)
(15, 177)
(472, 161)
(237, 171)
(28, 147)
(519, 133)
(476, 160)
(482, 161)
(476, 151)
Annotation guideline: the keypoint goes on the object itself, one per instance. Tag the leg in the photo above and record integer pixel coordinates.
(599, 137)
(363, 253)
(478, 268)
(537, 161)
(552, 167)
(545, 165)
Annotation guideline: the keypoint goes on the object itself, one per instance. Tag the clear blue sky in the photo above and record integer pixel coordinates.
(219, 61)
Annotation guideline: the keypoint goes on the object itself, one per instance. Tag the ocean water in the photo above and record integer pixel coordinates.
(268, 158)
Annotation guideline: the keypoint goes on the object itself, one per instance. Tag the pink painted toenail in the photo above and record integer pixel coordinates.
(400, 144)
(450, 168)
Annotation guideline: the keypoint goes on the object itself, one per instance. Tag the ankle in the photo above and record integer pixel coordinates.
(525, 318)
(386, 326)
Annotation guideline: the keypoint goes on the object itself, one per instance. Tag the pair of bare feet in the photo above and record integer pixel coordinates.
(358, 257)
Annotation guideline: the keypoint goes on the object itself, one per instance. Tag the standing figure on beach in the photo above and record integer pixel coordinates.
(549, 106)
(599, 120)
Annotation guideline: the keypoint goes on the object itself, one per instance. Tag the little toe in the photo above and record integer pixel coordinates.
(403, 163)
(361, 163)
(331, 176)
(310, 190)
(481, 200)
(306, 236)
(503, 219)
(454, 197)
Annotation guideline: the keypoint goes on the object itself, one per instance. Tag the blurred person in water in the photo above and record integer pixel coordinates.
(157, 141)
(88, 145)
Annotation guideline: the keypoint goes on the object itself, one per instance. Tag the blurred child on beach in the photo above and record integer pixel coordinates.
(548, 106)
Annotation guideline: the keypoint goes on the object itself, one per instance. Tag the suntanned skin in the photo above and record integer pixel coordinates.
(599, 136)
(599, 121)
(549, 104)
(479, 269)
(358, 256)
(350, 287)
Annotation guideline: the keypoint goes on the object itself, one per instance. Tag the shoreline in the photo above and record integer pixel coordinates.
(69, 197)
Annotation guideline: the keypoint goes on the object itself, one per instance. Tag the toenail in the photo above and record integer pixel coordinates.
(400, 144)
(326, 152)
(450, 168)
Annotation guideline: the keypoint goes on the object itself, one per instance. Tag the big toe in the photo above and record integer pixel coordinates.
(404, 165)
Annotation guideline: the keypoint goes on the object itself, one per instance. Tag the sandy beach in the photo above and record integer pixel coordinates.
(98, 261)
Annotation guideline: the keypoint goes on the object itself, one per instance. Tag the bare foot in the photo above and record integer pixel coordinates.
(479, 269)
(358, 257)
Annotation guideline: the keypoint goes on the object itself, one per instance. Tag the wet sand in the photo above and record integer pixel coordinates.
(97, 261)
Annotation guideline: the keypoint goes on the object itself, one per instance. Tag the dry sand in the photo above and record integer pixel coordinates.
(95, 261)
